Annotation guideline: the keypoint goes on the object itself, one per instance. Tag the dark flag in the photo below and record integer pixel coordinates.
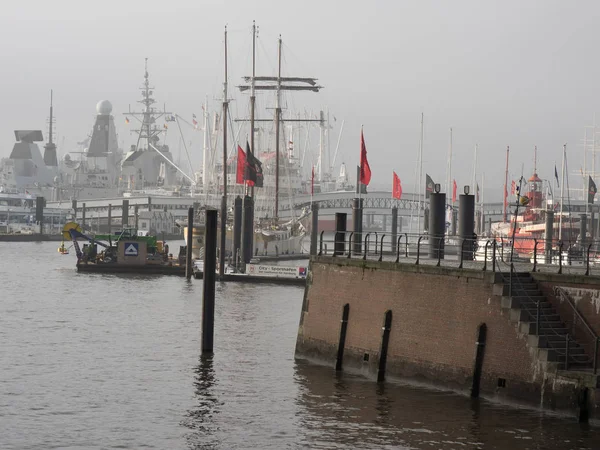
(429, 185)
(591, 190)
(312, 181)
(254, 173)
(241, 166)
(556, 176)
(477, 193)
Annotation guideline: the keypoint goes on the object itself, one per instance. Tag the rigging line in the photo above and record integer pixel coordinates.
(185, 147)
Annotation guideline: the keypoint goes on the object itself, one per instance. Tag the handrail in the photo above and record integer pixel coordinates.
(560, 291)
(406, 246)
(366, 246)
(560, 247)
(381, 248)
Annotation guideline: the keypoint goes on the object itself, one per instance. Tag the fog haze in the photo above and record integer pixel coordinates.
(499, 73)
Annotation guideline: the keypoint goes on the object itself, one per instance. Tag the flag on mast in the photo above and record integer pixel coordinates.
(477, 193)
(397, 187)
(241, 166)
(194, 121)
(365, 170)
(254, 173)
(591, 190)
(453, 191)
(556, 176)
(513, 187)
(429, 185)
(312, 181)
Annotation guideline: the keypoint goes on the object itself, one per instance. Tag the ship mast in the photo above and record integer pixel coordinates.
(277, 117)
(505, 203)
(252, 95)
(420, 174)
(224, 199)
(562, 187)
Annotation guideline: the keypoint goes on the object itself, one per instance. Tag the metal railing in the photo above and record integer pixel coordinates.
(526, 254)
(560, 292)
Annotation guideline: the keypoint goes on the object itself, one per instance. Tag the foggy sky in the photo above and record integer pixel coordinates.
(518, 73)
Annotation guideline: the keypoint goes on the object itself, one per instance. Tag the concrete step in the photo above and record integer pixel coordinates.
(577, 356)
(546, 328)
(550, 340)
(525, 303)
(530, 315)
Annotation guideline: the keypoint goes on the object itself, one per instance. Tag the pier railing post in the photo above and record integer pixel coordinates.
(381, 248)
(188, 252)
(439, 253)
(321, 243)
(487, 243)
(366, 246)
(406, 245)
(560, 247)
(350, 245)
(208, 284)
(535, 243)
(418, 249)
(587, 259)
(398, 250)
(494, 245)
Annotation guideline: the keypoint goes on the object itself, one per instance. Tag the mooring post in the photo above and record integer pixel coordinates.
(340, 234)
(125, 214)
(314, 228)
(208, 283)
(188, 254)
(357, 224)
(109, 219)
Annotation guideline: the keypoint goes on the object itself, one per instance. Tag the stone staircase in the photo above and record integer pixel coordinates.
(551, 339)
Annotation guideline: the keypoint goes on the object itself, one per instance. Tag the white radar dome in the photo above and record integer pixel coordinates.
(104, 107)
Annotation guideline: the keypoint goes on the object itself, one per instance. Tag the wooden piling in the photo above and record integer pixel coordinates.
(208, 288)
(188, 256)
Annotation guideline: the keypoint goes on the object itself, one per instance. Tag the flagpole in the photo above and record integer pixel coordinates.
(562, 187)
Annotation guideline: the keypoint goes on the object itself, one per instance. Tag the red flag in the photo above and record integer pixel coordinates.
(312, 181)
(241, 166)
(453, 191)
(397, 187)
(365, 170)
(512, 187)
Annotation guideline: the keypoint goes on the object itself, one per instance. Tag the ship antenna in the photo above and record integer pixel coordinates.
(535, 159)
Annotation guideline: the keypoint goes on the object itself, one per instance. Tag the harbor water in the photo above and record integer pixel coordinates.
(105, 361)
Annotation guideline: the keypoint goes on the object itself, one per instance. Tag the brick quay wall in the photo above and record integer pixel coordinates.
(437, 314)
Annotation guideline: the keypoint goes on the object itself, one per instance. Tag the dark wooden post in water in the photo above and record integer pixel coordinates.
(109, 220)
(394, 228)
(385, 341)
(481, 336)
(237, 230)
(136, 214)
(39, 212)
(314, 232)
(342, 342)
(340, 234)
(188, 254)
(208, 286)
(437, 224)
(357, 224)
(247, 229)
(125, 214)
(466, 224)
(83, 216)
